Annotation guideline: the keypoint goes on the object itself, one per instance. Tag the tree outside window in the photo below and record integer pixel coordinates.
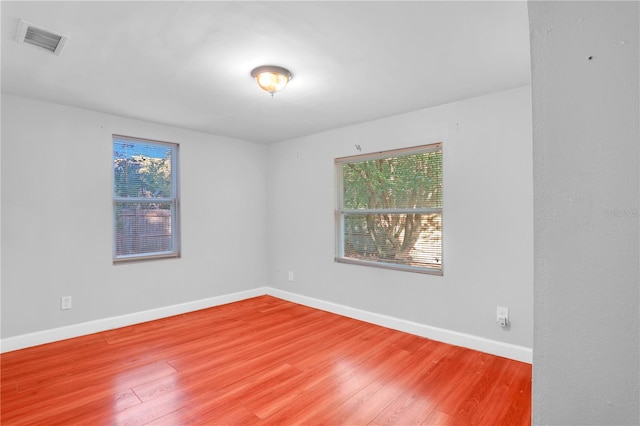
(144, 198)
(390, 209)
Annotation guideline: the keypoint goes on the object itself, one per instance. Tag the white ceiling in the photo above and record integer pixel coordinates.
(187, 64)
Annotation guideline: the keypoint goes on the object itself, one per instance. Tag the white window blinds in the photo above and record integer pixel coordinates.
(389, 210)
(145, 198)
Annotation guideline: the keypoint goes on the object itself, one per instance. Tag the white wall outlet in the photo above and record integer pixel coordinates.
(65, 302)
(290, 275)
(502, 316)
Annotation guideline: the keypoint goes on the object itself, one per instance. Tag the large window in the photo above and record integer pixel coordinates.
(145, 199)
(389, 210)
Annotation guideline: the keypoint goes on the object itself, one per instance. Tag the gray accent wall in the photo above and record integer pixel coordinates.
(586, 191)
(487, 218)
(57, 219)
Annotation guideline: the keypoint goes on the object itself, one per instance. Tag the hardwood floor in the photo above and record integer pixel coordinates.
(262, 361)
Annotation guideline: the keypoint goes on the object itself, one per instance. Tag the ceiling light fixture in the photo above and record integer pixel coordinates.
(271, 78)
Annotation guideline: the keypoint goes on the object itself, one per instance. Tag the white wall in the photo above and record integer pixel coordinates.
(488, 213)
(587, 257)
(57, 220)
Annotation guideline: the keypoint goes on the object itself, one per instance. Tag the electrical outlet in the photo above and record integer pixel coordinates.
(65, 302)
(290, 275)
(502, 316)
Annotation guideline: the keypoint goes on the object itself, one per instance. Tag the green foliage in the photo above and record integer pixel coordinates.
(142, 184)
(406, 182)
(412, 181)
(140, 176)
(156, 177)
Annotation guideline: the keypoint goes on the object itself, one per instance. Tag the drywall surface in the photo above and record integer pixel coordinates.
(487, 218)
(586, 192)
(57, 219)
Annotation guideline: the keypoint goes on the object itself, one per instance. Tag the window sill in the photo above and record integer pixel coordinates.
(138, 258)
(406, 268)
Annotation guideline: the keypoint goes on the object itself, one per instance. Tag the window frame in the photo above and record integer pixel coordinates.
(174, 200)
(341, 212)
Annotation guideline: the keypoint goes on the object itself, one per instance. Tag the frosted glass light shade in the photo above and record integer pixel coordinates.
(271, 78)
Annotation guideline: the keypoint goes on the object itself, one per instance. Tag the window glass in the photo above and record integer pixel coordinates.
(390, 209)
(145, 198)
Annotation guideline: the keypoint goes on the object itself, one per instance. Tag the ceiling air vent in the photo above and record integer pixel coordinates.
(40, 37)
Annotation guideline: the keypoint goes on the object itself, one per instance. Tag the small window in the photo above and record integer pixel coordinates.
(389, 210)
(145, 199)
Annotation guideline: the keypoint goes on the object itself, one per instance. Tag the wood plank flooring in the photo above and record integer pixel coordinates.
(261, 361)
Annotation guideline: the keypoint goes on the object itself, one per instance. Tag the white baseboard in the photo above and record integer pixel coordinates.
(494, 347)
(518, 353)
(76, 330)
